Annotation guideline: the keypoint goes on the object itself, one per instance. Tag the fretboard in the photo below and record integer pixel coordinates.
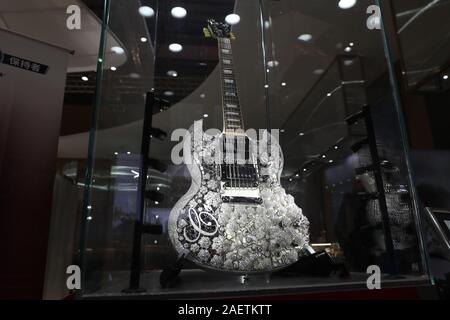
(232, 116)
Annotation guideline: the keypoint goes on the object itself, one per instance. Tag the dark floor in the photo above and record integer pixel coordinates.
(199, 284)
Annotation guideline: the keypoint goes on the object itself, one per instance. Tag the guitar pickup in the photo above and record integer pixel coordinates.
(241, 195)
(241, 200)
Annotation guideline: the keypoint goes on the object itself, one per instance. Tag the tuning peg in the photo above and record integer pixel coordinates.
(206, 32)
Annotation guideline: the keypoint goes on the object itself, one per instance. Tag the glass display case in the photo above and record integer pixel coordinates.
(246, 148)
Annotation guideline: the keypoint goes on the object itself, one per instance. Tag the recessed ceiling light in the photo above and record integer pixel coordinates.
(178, 12)
(305, 169)
(329, 94)
(283, 84)
(266, 86)
(116, 153)
(175, 47)
(158, 188)
(305, 37)
(232, 19)
(445, 77)
(146, 11)
(336, 147)
(156, 202)
(331, 161)
(348, 49)
(205, 115)
(172, 73)
(84, 78)
(348, 63)
(351, 44)
(169, 93)
(301, 134)
(129, 152)
(113, 68)
(318, 71)
(273, 63)
(144, 39)
(203, 96)
(346, 4)
(117, 50)
(89, 218)
(324, 156)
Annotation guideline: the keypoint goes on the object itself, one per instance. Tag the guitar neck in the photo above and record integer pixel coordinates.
(232, 115)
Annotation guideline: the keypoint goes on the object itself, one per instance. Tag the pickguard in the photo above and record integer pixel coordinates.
(236, 236)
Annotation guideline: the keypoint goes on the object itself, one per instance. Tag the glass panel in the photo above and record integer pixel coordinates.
(127, 65)
(422, 28)
(312, 73)
(344, 159)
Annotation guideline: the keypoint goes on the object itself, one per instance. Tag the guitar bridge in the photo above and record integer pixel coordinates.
(240, 195)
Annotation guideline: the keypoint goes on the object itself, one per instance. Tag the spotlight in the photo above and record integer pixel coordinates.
(232, 19)
(178, 12)
(175, 47)
(172, 73)
(117, 50)
(346, 4)
(146, 11)
(305, 37)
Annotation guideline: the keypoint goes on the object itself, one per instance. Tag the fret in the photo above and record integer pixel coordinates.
(232, 117)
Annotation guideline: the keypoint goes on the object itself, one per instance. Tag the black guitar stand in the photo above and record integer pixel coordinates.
(169, 276)
(319, 264)
(376, 169)
(140, 227)
(367, 136)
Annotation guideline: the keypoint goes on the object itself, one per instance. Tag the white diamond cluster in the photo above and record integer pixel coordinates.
(237, 237)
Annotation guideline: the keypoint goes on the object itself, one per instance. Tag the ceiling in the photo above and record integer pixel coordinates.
(45, 20)
(301, 106)
(197, 91)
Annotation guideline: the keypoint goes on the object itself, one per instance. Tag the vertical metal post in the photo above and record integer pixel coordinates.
(91, 148)
(135, 275)
(380, 186)
(404, 136)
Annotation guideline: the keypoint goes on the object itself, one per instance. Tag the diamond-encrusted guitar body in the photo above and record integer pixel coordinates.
(235, 217)
(262, 236)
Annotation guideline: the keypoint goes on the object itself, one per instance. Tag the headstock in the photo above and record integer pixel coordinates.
(218, 30)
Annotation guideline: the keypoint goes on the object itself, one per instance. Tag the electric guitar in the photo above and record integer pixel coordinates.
(235, 217)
